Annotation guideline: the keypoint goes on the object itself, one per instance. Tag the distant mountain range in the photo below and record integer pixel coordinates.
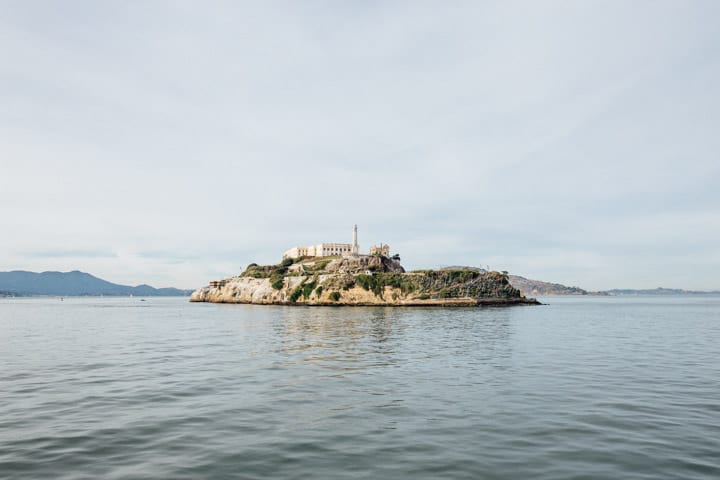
(75, 283)
(661, 291)
(538, 287)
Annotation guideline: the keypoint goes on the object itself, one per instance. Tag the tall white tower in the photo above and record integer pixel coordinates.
(355, 246)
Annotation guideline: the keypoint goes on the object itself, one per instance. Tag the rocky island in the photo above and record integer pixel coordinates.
(336, 274)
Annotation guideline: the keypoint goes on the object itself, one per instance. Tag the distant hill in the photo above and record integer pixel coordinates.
(660, 291)
(535, 287)
(538, 287)
(75, 283)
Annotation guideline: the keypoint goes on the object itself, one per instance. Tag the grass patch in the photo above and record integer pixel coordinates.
(295, 294)
(307, 289)
(277, 281)
(378, 281)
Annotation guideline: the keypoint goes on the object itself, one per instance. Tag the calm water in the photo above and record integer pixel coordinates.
(591, 388)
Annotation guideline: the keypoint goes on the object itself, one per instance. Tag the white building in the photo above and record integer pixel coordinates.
(326, 249)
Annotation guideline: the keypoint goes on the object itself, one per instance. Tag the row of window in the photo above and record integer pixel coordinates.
(337, 250)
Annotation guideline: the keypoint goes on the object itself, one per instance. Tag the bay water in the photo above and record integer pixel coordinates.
(156, 388)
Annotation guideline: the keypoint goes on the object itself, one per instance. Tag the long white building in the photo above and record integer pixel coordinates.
(326, 249)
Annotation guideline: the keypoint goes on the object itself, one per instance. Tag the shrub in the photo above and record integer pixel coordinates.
(318, 291)
(296, 293)
(348, 283)
(277, 281)
(308, 288)
(365, 281)
(287, 262)
(321, 264)
(405, 283)
(334, 296)
(258, 271)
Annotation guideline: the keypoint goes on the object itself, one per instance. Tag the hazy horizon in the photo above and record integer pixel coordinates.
(171, 143)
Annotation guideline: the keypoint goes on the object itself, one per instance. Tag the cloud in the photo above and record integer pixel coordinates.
(70, 254)
(191, 140)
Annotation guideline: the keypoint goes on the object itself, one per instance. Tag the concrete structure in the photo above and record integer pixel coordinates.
(319, 250)
(355, 247)
(333, 249)
(382, 249)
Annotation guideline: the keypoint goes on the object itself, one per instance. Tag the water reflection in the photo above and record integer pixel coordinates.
(358, 338)
(339, 339)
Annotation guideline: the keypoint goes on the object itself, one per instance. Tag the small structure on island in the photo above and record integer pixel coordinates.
(335, 249)
(382, 250)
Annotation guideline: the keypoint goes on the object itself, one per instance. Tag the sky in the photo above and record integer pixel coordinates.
(172, 142)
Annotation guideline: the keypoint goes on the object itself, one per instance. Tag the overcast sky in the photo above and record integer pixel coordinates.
(172, 143)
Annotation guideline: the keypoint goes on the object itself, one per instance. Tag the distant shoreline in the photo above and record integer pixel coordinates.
(3, 296)
(75, 283)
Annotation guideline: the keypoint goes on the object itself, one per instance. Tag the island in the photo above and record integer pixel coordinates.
(336, 274)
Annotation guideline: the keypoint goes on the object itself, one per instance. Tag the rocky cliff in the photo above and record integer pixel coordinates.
(374, 280)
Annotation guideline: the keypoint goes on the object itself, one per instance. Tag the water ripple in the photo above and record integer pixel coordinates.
(583, 388)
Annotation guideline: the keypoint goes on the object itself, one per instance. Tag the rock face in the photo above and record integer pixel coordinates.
(360, 281)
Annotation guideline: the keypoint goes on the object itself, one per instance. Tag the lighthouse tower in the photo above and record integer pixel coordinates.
(355, 247)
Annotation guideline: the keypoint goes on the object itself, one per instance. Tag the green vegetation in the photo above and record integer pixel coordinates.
(343, 282)
(423, 284)
(319, 265)
(365, 281)
(296, 293)
(466, 284)
(277, 281)
(307, 289)
(452, 276)
(378, 281)
(258, 271)
(440, 284)
(276, 273)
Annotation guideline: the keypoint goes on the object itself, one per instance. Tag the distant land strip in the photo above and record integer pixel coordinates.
(21, 283)
(661, 292)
